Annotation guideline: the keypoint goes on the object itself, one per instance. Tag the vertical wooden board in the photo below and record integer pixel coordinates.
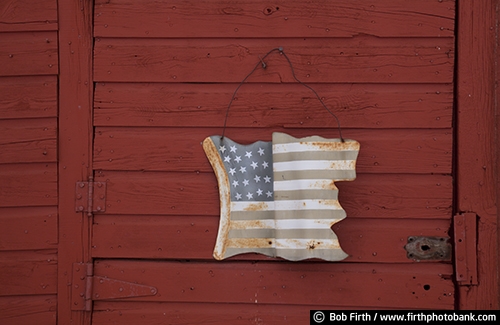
(28, 97)
(477, 151)
(28, 273)
(28, 228)
(23, 310)
(75, 143)
(28, 15)
(28, 185)
(28, 140)
(258, 105)
(281, 18)
(390, 286)
(193, 237)
(360, 59)
(28, 53)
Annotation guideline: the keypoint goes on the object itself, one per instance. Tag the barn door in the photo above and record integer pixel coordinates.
(164, 72)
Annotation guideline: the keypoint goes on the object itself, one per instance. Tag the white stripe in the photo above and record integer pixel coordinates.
(286, 205)
(304, 184)
(283, 224)
(314, 165)
(301, 147)
(316, 243)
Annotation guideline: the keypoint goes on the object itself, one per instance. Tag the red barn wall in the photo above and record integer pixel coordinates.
(28, 161)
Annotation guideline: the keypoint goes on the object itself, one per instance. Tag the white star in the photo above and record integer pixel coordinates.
(254, 164)
(232, 171)
(237, 159)
(250, 196)
(261, 151)
(257, 178)
(269, 194)
(232, 148)
(248, 154)
(222, 149)
(246, 182)
(227, 159)
(267, 179)
(235, 183)
(265, 164)
(243, 169)
(259, 192)
(238, 196)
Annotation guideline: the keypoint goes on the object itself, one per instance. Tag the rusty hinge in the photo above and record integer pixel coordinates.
(86, 287)
(90, 197)
(465, 227)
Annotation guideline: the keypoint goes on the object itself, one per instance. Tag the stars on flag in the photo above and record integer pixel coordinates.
(248, 170)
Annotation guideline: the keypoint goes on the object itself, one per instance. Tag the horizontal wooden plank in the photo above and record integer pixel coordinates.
(340, 284)
(28, 97)
(28, 273)
(22, 310)
(280, 18)
(28, 15)
(28, 53)
(370, 195)
(193, 237)
(28, 140)
(147, 313)
(351, 60)
(28, 228)
(28, 185)
(257, 105)
(178, 149)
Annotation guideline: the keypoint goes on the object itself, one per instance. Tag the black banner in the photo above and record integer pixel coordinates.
(423, 317)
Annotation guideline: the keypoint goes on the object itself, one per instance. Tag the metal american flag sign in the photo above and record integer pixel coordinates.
(279, 198)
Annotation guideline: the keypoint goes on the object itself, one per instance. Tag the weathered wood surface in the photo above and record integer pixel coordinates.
(28, 228)
(28, 185)
(396, 286)
(477, 149)
(280, 18)
(178, 149)
(370, 195)
(350, 60)
(193, 237)
(28, 97)
(28, 273)
(28, 53)
(28, 15)
(22, 310)
(28, 140)
(258, 105)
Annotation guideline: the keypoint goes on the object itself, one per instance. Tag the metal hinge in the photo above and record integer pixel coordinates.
(90, 197)
(87, 288)
(465, 240)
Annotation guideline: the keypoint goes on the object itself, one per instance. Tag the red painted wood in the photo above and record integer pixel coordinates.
(178, 149)
(257, 105)
(28, 140)
(386, 196)
(396, 286)
(477, 151)
(75, 142)
(187, 19)
(346, 60)
(28, 97)
(28, 228)
(22, 310)
(28, 185)
(193, 237)
(28, 272)
(26, 15)
(27, 53)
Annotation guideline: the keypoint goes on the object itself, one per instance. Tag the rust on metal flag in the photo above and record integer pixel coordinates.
(279, 198)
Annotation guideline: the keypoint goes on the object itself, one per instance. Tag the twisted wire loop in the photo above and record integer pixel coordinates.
(264, 66)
